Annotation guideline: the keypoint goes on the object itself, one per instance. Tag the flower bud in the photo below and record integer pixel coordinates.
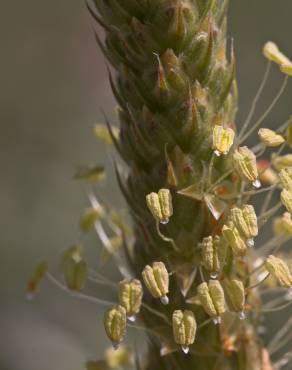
(156, 280)
(36, 278)
(115, 320)
(235, 295)
(283, 161)
(212, 299)
(213, 254)
(184, 328)
(272, 53)
(285, 176)
(286, 69)
(270, 138)
(233, 238)
(245, 220)
(160, 205)
(267, 175)
(279, 269)
(283, 225)
(130, 297)
(246, 166)
(286, 198)
(222, 139)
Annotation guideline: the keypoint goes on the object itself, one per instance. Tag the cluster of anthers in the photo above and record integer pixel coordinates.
(216, 293)
(219, 293)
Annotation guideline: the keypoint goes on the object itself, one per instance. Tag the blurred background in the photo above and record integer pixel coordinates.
(53, 83)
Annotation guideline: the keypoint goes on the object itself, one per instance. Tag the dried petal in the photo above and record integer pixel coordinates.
(156, 280)
(115, 320)
(280, 270)
(270, 138)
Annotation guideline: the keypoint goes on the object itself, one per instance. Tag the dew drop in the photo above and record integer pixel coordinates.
(132, 318)
(241, 315)
(213, 275)
(257, 184)
(250, 243)
(164, 222)
(217, 153)
(164, 300)
(185, 349)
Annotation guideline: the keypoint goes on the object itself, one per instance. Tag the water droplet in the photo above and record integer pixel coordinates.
(217, 320)
(164, 222)
(217, 153)
(185, 349)
(213, 275)
(241, 315)
(250, 243)
(257, 184)
(164, 300)
(132, 318)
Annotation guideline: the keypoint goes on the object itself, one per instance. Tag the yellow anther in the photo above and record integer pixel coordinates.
(245, 164)
(233, 238)
(184, 328)
(156, 280)
(280, 270)
(272, 53)
(160, 205)
(235, 295)
(212, 299)
(213, 254)
(222, 139)
(130, 297)
(115, 320)
(270, 138)
(286, 198)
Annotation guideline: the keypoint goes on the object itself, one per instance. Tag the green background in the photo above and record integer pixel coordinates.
(53, 83)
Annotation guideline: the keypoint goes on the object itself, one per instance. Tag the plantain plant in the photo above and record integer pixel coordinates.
(193, 277)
